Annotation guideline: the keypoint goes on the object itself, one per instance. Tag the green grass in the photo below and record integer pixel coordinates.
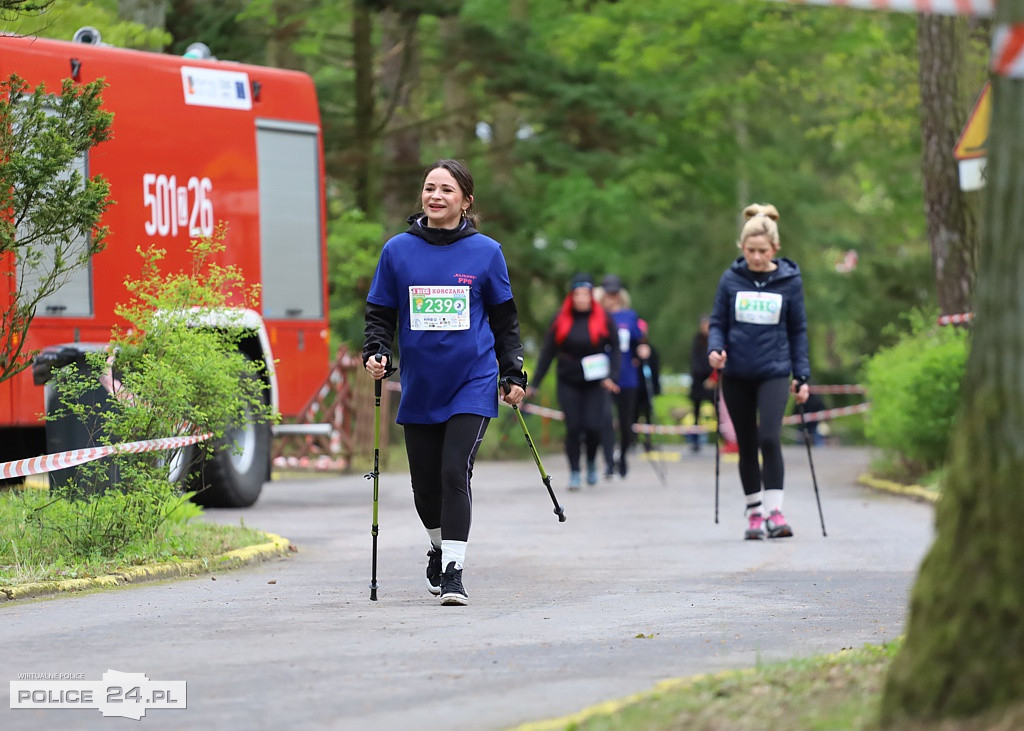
(827, 693)
(833, 692)
(28, 554)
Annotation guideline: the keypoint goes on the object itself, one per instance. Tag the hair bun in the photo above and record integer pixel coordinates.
(761, 209)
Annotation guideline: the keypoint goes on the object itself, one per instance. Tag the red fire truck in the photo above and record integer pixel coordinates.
(196, 141)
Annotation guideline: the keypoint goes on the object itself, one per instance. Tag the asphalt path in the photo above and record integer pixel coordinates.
(638, 585)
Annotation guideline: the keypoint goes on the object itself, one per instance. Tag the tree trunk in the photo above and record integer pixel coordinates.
(399, 74)
(363, 139)
(507, 117)
(941, 50)
(285, 32)
(150, 13)
(460, 114)
(964, 650)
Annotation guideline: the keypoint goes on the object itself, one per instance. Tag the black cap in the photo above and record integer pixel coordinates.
(581, 279)
(611, 283)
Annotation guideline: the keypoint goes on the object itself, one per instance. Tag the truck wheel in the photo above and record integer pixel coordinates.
(233, 477)
(179, 463)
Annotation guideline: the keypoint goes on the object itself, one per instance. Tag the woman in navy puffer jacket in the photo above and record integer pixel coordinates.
(758, 337)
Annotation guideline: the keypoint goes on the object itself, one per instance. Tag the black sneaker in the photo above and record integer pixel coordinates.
(434, 570)
(451, 586)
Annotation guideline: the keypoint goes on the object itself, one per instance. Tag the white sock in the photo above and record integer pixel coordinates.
(453, 551)
(753, 503)
(435, 537)
(773, 500)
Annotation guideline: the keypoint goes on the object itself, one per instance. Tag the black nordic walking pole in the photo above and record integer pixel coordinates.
(544, 476)
(810, 460)
(375, 476)
(718, 429)
(649, 381)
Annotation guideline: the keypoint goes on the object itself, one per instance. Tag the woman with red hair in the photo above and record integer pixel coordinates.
(583, 337)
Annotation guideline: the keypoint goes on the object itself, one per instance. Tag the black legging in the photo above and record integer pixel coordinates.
(625, 403)
(746, 401)
(587, 409)
(441, 460)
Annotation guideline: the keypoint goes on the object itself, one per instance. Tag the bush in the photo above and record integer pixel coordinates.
(914, 387)
(169, 377)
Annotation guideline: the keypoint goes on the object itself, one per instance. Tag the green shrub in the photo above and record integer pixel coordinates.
(173, 378)
(914, 388)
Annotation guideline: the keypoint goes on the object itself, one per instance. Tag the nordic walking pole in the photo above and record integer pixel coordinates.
(810, 460)
(718, 428)
(649, 381)
(544, 476)
(375, 476)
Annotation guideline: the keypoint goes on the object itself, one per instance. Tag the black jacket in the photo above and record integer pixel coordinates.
(761, 324)
(577, 345)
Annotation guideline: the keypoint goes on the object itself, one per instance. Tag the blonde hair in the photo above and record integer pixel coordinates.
(600, 294)
(761, 220)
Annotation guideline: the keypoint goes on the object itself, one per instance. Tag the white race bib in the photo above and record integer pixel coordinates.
(624, 339)
(758, 308)
(596, 367)
(439, 308)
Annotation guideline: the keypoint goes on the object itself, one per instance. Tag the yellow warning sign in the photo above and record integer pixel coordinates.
(974, 137)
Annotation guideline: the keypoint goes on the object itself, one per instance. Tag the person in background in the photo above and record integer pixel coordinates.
(650, 386)
(812, 425)
(701, 387)
(582, 338)
(444, 288)
(758, 340)
(633, 349)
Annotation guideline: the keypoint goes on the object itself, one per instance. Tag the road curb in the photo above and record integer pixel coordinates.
(915, 492)
(275, 546)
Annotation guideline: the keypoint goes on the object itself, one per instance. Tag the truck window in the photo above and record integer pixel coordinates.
(73, 298)
(289, 181)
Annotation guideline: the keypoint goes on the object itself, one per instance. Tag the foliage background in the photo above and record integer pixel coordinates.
(607, 136)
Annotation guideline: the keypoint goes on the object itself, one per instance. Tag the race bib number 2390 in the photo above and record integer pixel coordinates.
(439, 308)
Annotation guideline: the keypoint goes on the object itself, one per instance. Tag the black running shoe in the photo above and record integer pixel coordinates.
(434, 570)
(451, 586)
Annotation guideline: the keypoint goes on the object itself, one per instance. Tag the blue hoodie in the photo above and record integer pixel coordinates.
(761, 325)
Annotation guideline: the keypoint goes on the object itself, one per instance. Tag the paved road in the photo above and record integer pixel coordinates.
(555, 613)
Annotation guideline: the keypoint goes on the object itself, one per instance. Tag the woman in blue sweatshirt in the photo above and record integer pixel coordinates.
(758, 338)
(444, 288)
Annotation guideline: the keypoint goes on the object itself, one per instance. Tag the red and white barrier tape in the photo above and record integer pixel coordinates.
(854, 388)
(828, 413)
(1008, 50)
(542, 411)
(958, 319)
(75, 457)
(320, 462)
(822, 415)
(981, 8)
(545, 412)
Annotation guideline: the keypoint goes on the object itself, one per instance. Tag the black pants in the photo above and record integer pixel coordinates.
(756, 408)
(588, 413)
(645, 414)
(441, 460)
(625, 403)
